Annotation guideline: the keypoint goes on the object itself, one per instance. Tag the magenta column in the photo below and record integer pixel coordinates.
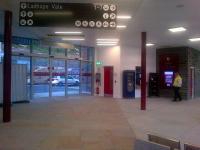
(7, 67)
(143, 71)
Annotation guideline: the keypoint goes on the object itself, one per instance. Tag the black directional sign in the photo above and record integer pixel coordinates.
(86, 15)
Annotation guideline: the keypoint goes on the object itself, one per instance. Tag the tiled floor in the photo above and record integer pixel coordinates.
(96, 123)
(179, 120)
(77, 124)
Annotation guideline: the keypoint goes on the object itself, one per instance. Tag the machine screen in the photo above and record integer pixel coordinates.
(168, 78)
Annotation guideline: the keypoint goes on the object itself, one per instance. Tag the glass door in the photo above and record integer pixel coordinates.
(58, 77)
(41, 77)
(73, 77)
(86, 78)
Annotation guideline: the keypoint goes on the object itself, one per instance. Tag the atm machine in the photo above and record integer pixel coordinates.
(129, 84)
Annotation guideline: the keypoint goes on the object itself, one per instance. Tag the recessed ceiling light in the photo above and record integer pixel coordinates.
(121, 26)
(124, 17)
(73, 39)
(150, 44)
(107, 39)
(179, 29)
(106, 44)
(68, 32)
(194, 39)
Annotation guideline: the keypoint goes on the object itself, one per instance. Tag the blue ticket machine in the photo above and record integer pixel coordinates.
(129, 84)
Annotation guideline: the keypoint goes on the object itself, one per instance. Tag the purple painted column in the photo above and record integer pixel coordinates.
(7, 67)
(143, 71)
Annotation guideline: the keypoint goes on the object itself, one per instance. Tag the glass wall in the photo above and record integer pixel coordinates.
(41, 78)
(86, 78)
(73, 77)
(24, 61)
(58, 77)
(55, 71)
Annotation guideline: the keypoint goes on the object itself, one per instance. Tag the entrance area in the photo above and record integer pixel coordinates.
(54, 71)
(108, 81)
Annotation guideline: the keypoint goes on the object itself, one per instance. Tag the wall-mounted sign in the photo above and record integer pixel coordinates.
(86, 15)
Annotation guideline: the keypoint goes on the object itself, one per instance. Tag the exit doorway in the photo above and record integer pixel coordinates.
(108, 81)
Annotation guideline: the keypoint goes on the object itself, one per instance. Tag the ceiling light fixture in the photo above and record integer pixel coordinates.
(107, 44)
(104, 42)
(121, 26)
(194, 40)
(179, 29)
(73, 39)
(111, 40)
(68, 32)
(124, 17)
(150, 44)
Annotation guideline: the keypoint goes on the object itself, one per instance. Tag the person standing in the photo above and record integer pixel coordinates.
(177, 84)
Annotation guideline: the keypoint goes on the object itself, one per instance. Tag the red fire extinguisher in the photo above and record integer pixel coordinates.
(97, 90)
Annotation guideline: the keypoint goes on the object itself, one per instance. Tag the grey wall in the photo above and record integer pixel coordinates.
(194, 61)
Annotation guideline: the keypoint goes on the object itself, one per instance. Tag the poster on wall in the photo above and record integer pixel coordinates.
(80, 15)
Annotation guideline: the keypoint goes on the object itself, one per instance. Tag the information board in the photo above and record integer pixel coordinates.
(81, 15)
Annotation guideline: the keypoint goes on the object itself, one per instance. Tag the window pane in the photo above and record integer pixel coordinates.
(40, 49)
(86, 78)
(58, 78)
(73, 53)
(57, 51)
(73, 79)
(21, 48)
(40, 77)
(24, 61)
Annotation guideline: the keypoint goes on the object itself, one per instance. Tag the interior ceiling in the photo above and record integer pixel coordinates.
(152, 16)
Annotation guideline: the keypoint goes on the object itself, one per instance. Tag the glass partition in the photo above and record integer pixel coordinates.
(20, 48)
(40, 49)
(86, 78)
(58, 77)
(24, 61)
(41, 78)
(73, 53)
(57, 51)
(73, 77)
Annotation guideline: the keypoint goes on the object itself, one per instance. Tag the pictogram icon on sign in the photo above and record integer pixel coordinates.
(105, 24)
(23, 5)
(30, 22)
(77, 23)
(22, 22)
(113, 7)
(85, 23)
(105, 15)
(112, 16)
(98, 24)
(91, 23)
(105, 7)
(23, 13)
(30, 14)
(112, 24)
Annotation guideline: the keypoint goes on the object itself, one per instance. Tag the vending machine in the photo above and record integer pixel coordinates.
(129, 84)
